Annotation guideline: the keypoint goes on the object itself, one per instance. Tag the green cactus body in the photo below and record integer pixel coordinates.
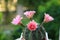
(38, 34)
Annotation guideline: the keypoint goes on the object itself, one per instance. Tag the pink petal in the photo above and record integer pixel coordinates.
(16, 20)
(48, 18)
(32, 25)
(29, 14)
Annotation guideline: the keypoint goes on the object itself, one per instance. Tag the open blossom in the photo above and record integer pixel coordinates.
(17, 20)
(48, 18)
(29, 14)
(32, 25)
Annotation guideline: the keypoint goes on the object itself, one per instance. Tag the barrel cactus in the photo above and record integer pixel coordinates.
(38, 34)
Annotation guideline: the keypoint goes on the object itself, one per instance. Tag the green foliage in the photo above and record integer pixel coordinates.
(11, 34)
(31, 4)
(46, 6)
(6, 35)
(25, 21)
(1, 17)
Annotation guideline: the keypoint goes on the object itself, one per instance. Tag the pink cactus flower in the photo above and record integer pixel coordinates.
(29, 14)
(32, 25)
(48, 18)
(17, 20)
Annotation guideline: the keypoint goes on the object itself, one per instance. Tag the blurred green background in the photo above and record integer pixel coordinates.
(11, 32)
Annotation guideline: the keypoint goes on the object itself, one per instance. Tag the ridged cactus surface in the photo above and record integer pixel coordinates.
(38, 34)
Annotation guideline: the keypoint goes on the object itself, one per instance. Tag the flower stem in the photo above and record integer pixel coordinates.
(43, 27)
(22, 24)
(42, 23)
(31, 19)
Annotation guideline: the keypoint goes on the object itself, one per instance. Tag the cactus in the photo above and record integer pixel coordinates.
(38, 34)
